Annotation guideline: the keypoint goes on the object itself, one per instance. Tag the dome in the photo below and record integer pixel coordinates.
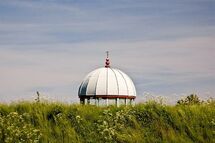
(107, 82)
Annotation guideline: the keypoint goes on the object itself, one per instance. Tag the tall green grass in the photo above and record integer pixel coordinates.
(149, 122)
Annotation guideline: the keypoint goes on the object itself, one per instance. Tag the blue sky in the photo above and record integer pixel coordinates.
(167, 47)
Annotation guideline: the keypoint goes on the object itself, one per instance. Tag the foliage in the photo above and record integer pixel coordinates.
(191, 99)
(149, 122)
(15, 128)
(111, 122)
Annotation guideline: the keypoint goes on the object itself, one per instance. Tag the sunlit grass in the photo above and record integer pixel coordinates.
(149, 122)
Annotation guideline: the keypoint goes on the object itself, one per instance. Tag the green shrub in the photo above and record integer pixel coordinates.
(149, 122)
(16, 128)
(190, 100)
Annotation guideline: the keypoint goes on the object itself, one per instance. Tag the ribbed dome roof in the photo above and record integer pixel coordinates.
(107, 81)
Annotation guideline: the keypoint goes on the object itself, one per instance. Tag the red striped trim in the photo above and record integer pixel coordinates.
(107, 96)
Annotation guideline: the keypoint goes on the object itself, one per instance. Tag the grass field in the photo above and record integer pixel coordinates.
(148, 122)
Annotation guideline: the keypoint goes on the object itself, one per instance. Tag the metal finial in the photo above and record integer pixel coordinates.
(107, 52)
(107, 63)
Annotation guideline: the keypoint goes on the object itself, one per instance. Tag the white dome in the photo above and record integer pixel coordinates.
(107, 82)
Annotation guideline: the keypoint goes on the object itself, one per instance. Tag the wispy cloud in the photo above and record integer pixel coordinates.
(166, 47)
(153, 67)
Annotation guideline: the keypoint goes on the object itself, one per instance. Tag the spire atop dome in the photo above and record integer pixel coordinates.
(107, 63)
(107, 52)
